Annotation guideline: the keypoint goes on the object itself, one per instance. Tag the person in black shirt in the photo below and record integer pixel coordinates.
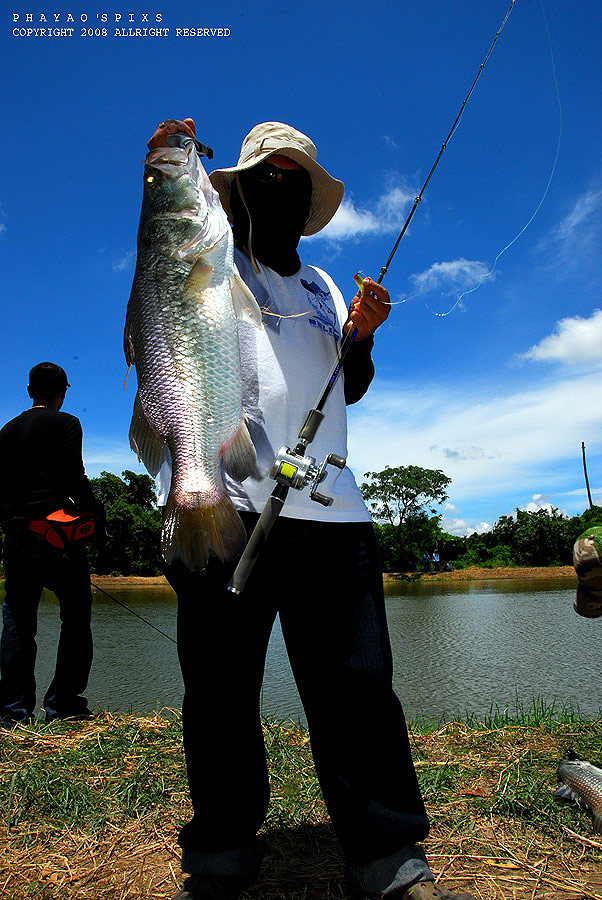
(42, 471)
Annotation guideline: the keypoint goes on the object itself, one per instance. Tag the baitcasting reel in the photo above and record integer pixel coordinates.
(294, 470)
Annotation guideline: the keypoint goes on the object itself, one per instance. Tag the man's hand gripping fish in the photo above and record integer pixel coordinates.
(181, 334)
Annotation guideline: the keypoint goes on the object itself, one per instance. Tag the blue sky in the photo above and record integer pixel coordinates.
(501, 392)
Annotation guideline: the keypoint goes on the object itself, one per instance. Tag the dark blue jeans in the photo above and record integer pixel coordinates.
(31, 565)
(325, 582)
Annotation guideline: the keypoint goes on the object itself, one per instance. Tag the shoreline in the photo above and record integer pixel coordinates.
(477, 573)
(471, 573)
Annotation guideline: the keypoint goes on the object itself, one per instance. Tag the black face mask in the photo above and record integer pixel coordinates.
(278, 202)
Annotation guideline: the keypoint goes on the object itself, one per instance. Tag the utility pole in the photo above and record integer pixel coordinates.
(589, 493)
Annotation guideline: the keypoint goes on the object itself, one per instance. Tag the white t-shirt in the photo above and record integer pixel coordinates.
(284, 370)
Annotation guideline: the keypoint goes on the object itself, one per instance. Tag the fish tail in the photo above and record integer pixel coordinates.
(193, 534)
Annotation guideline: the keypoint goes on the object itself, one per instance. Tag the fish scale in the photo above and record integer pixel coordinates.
(181, 334)
(582, 782)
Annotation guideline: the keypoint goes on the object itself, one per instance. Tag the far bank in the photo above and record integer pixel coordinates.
(477, 573)
(471, 573)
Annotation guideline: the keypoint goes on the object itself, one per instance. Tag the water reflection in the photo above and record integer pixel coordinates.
(458, 648)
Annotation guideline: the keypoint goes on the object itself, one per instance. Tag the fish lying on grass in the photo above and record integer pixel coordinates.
(181, 334)
(582, 782)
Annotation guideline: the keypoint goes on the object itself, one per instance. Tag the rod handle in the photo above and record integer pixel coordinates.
(256, 542)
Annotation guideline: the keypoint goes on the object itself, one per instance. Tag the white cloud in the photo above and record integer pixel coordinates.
(581, 492)
(535, 505)
(489, 445)
(573, 238)
(461, 528)
(385, 215)
(125, 262)
(574, 340)
(583, 210)
(454, 526)
(448, 277)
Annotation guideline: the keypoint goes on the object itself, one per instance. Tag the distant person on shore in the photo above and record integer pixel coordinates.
(43, 491)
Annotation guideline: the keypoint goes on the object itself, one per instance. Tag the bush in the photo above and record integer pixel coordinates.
(133, 525)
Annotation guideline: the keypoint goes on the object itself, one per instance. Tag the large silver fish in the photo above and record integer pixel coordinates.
(581, 781)
(181, 334)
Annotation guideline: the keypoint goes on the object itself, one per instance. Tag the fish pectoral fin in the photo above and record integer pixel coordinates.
(147, 444)
(128, 346)
(563, 792)
(199, 278)
(244, 303)
(238, 455)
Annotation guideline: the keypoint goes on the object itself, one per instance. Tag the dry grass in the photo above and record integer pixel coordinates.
(90, 812)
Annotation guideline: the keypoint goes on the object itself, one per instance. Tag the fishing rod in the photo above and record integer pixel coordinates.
(293, 468)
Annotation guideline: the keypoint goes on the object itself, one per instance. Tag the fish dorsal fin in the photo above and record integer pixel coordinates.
(244, 303)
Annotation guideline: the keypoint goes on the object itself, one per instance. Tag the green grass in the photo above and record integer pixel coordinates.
(133, 768)
(68, 786)
(118, 772)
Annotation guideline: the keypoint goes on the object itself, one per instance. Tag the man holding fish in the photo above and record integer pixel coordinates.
(320, 570)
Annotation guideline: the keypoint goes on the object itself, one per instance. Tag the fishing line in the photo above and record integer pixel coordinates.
(452, 130)
(142, 619)
(300, 315)
(488, 275)
(292, 468)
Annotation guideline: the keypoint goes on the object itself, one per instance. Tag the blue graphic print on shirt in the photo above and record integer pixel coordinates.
(324, 316)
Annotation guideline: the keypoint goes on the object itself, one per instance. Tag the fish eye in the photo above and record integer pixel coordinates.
(150, 179)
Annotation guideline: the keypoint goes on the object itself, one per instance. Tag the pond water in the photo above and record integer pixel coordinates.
(462, 647)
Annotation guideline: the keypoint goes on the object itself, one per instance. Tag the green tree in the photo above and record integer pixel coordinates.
(399, 493)
(541, 538)
(591, 516)
(133, 525)
(529, 538)
(403, 497)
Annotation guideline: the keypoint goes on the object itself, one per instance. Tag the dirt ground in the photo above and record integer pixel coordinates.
(472, 573)
(109, 581)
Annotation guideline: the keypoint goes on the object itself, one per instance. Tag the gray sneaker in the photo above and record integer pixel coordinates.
(211, 887)
(426, 890)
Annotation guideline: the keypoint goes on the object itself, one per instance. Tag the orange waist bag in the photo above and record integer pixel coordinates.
(62, 529)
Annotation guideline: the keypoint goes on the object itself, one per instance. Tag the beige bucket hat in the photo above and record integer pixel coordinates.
(274, 137)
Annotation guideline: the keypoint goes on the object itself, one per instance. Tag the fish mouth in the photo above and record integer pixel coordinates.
(168, 156)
